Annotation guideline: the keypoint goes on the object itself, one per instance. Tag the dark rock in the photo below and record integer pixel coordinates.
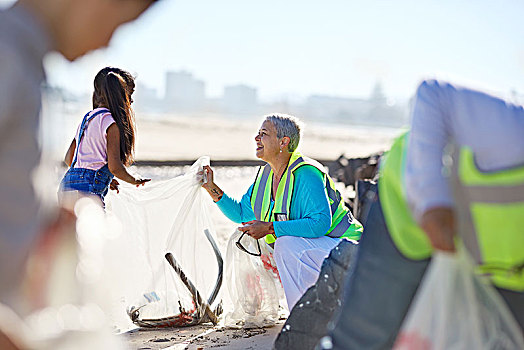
(308, 319)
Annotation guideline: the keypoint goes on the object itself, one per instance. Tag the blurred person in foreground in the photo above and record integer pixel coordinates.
(29, 30)
(487, 201)
(292, 203)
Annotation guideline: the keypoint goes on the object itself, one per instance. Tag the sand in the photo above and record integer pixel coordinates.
(235, 181)
(222, 139)
(203, 337)
(186, 138)
(226, 139)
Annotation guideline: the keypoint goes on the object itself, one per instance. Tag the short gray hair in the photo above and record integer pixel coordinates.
(286, 125)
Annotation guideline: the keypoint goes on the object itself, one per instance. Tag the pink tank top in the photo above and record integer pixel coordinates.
(92, 153)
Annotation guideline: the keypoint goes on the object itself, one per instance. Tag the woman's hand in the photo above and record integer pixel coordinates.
(207, 176)
(214, 191)
(257, 229)
(114, 185)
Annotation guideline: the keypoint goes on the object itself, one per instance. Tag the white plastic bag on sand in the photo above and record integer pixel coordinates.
(162, 217)
(253, 284)
(456, 309)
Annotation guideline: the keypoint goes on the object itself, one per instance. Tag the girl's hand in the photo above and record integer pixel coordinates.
(139, 182)
(257, 229)
(114, 185)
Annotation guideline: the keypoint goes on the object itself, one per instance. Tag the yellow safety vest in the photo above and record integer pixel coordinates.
(343, 223)
(490, 215)
(405, 233)
(490, 208)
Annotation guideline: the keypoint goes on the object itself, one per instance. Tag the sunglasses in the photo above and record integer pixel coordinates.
(242, 248)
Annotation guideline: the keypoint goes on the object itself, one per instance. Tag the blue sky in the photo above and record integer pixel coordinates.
(297, 48)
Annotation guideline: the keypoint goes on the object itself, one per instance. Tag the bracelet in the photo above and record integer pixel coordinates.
(219, 198)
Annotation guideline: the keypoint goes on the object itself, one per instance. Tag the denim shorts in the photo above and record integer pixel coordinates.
(87, 181)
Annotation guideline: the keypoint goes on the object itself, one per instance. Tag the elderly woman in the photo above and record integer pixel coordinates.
(292, 203)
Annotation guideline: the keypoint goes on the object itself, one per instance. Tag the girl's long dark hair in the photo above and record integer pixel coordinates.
(113, 89)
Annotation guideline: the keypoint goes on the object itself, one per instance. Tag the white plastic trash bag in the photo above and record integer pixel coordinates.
(253, 283)
(161, 218)
(456, 309)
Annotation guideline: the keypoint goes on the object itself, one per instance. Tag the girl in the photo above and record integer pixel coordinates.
(105, 140)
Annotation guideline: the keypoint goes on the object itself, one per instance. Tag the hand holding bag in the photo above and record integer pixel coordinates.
(456, 309)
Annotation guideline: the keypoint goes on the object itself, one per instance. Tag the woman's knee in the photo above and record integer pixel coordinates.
(286, 247)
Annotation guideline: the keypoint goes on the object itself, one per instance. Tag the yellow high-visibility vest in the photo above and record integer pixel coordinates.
(343, 223)
(489, 208)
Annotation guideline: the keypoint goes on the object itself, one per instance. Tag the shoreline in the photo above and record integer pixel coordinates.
(162, 137)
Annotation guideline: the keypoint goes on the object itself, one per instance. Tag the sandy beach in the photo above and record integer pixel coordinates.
(222, 139)
(233, 180)
(203, 337)
(186, 138)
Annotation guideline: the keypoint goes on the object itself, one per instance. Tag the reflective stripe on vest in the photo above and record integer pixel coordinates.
(286, 198)
(343, 223)
(409, 238)
(490, 208)
(260, 188)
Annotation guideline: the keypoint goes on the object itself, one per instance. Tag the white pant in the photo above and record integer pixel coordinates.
(299, 260)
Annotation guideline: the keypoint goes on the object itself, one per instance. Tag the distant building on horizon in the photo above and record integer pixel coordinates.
(146, 98)
(240, 99)
(371, 111)
(183, 92)
(332, 108)
(378, 98)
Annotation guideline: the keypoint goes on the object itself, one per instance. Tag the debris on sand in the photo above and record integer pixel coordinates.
(203, 336)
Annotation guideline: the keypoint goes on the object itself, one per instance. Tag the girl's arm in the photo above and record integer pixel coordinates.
(70, 153)
(113, 157)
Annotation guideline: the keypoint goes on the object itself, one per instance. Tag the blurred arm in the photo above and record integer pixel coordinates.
(442, 114)
(12, 330)
(427, 190)
(426, 187)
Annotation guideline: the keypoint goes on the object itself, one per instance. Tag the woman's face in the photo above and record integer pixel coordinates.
(268, 145)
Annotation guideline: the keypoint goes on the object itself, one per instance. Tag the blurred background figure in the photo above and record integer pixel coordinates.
(480, 193)
(29, 30)
(397, 245)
